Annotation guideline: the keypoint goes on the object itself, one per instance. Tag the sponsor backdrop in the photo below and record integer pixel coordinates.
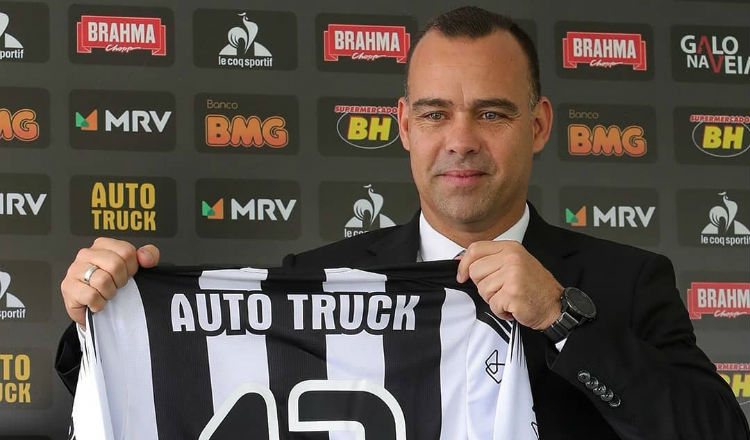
(236, 132)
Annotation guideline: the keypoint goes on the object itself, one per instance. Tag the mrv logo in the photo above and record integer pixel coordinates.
(247, 208)
(25, 204)
(621, 214)
(122, 120)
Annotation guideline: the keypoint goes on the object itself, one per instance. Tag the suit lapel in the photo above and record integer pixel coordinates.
(398, 247)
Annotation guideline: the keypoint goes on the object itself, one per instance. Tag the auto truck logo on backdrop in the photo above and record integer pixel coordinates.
(24, 32)
(251, 40)
(122, 120)
(604, 50)
(363, 43)
(246, 124)
(25, 288)
(714, 217)
(130, 206)
(236, 208)
(24, 117)
(606, 133)
(25, 378)
(629, 215)
(352, 208)
(121, 35)
(25, 205)
(719, 299)
(711, 54)
(359, 127)
(716, 136)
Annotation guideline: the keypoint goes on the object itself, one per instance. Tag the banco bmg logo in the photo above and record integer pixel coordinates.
(243, 123)
(24, 117)
(608, 132)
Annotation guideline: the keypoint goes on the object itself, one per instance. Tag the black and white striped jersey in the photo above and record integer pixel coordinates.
(341, 354)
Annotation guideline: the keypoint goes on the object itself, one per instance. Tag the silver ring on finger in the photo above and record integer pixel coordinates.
(89, 272)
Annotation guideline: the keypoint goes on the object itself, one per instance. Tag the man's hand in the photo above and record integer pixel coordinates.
(117, 260)
(513, 282)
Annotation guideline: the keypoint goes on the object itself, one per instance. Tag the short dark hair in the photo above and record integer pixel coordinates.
(473, 22)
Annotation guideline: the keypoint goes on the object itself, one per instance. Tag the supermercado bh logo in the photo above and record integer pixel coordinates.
(710, 135)
(359, 127)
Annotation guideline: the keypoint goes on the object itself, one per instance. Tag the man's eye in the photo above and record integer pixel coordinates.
(434, 116)
(491, 115)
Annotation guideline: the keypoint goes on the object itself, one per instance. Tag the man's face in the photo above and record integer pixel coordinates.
(469, 129)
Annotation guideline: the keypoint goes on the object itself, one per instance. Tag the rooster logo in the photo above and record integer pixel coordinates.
(7, 299)
(723, 219)
(8, 41)
(242, 40)
(367, 214)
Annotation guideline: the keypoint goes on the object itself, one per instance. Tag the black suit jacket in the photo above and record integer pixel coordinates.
(641, 345)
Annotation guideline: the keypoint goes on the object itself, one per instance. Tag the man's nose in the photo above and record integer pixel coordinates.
(463, 138)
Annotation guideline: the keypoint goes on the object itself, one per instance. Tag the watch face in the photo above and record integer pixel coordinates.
(580, 303)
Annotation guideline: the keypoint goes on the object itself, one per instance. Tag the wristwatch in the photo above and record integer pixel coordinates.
(577, 308)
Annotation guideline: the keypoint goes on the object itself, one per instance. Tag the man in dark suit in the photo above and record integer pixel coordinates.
(610, 350)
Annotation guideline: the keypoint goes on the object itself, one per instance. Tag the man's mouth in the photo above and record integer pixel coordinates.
(462, 177)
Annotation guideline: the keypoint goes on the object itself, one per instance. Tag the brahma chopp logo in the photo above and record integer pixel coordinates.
(239, 208)
(363, 43)
(606, 133)
(24, 32)
(123, 35)
(24, 117)
(25, 288)
(604, 50)
(359, 127)
(246, 124)
(714, 217)
(127, 206)
(711, 54)
(25, 382)
(352, 208)
(629, 215)
(710, 135)
(122, 120)
(718, 299)
(245, 39)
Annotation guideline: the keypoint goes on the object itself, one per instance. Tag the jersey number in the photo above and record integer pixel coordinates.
(314, 405)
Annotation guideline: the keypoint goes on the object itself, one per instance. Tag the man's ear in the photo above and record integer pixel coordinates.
(542, 124)
(403, 121)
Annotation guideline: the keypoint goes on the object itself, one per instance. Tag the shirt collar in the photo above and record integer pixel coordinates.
(436, 246)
